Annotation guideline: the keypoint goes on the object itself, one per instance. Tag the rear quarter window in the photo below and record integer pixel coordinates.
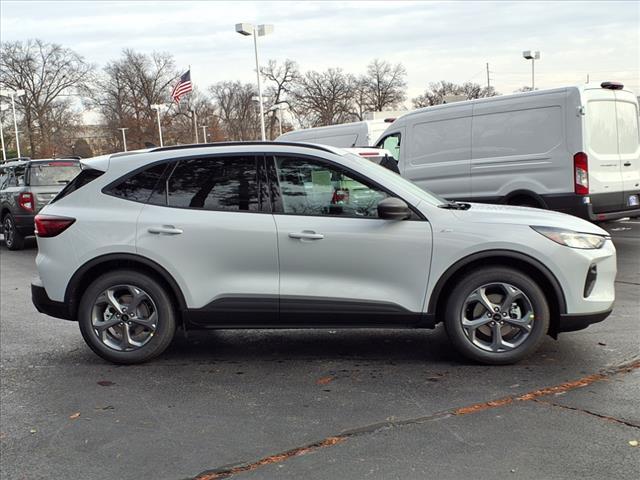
(79, 181)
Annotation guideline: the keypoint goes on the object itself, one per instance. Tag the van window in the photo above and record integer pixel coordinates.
(520, 132)
(440, 141)
(627, 127)
(601, 127)
(392, 144)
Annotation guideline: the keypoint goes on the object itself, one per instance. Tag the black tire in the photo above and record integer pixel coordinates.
(13, 239)
(165, 323)
(494, 275)
(524, 202)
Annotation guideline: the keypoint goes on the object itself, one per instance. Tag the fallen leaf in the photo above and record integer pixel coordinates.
(324, 380)
(602, 343)
(74, 416)
(633, 443)
(105, 383)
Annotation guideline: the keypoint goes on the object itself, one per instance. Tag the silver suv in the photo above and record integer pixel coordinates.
(25, 187)
(281, 235)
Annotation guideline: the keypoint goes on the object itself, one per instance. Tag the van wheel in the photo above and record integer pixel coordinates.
(126, 317)
(13, 239)
(497, 316)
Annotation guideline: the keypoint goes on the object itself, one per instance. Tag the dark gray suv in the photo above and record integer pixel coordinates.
(25, 187)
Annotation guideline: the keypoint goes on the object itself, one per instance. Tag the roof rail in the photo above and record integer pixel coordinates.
(231, 144)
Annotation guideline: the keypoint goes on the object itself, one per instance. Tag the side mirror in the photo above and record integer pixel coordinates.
(393, 208)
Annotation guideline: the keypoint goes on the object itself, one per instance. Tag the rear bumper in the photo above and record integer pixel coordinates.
(572, 322)
(590, 206)
(45, 305)
(24, 224)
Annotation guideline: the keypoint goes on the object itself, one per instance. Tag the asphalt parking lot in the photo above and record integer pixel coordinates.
(379, 404)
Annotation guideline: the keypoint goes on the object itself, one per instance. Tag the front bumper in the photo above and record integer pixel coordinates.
(572, 322)
(45, 305)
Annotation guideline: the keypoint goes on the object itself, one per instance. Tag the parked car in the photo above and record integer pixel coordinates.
(572, 149)
(355, 134)
(285, 235)
(25, 187)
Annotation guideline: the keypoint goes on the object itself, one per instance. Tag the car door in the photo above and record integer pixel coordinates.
(339, 263)
(208, 224)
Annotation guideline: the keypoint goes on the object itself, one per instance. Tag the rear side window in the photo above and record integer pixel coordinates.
(53, 174)
(138, 188)
(79, 181)
(218, 183)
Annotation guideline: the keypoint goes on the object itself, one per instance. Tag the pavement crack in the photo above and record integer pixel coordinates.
(589, 412)
(231, 470)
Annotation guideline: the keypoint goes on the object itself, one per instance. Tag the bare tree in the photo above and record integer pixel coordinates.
(384, 85)
(128, 87)
(280, 79)
(436, 92)
(49, 74)
(324, 98)
(237, 110)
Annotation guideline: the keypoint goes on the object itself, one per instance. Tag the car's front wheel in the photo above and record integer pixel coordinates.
(496, 315)
(126, 317)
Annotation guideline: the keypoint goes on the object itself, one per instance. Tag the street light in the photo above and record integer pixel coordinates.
(204, 133)
(157, 107)
(3, 107)
(13, 94)
(533, 56)
(124, 137)
(261, 30)
(277, 109)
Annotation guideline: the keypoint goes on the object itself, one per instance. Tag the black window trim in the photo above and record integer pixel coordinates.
(271, 176)
(171, 165)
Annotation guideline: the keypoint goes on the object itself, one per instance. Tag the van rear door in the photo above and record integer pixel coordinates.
(601, 147)
(628, 146)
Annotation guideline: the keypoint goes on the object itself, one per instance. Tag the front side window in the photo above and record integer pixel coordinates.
(391, 143)
(310, 187)
(216, 183)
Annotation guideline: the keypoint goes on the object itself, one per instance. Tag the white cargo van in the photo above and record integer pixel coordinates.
(356, 134)
(572, 149)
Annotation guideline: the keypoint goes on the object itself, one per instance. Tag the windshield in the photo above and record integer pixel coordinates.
(52, 174)
(395, 179)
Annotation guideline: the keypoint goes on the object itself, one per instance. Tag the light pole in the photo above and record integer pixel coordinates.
(204, 133)
(124, 138)
(533, 56)
(277, 109)
(13, 94)
(3, 107)
(157, 107)
(260, 31)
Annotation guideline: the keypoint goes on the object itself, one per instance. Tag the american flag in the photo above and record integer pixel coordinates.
(182, 87)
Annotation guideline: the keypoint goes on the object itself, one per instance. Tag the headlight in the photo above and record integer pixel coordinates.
(569, 238)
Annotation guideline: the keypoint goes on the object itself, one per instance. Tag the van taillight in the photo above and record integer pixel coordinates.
(581, 173)
(50, 226)
(25, 200)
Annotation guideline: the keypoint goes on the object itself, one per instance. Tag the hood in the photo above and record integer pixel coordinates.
(501, 214)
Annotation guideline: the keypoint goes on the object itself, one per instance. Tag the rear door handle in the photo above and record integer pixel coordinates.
(627, 164)
(306, 235)
(165, 230)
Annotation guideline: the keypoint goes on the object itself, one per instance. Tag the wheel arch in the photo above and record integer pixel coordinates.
(524, 193)
(109, 262)
(506, 258)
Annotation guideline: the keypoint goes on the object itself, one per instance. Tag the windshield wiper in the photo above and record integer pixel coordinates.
(455, 206)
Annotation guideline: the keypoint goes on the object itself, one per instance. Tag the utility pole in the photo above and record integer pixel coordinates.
(195, 124)
(124, 138)
(204, 133)
(488, 79)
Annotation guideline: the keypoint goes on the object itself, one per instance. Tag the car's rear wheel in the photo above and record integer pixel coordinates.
(496, 315)
(13, 239)
(126, 317)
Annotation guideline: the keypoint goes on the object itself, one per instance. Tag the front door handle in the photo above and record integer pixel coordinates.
(306, 235)
(165, 230)
(627, 164)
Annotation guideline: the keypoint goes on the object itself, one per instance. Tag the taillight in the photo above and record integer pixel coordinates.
(581, 172)
(25, 200)
(50, 226)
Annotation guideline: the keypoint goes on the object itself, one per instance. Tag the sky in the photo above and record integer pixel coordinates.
(434, 40)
